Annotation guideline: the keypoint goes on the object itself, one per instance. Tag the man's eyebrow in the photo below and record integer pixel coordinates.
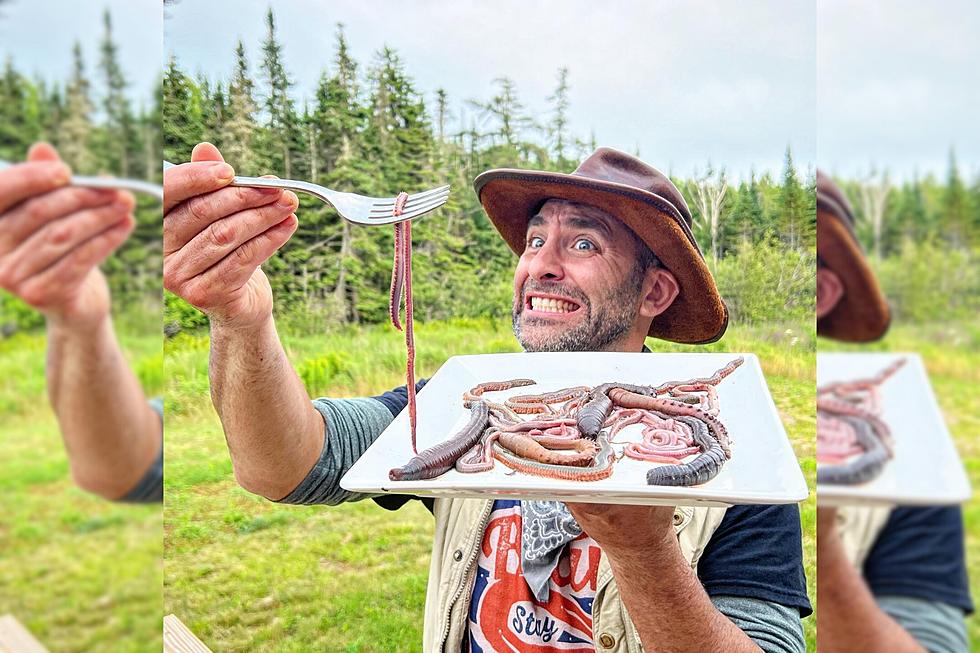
(577, 223)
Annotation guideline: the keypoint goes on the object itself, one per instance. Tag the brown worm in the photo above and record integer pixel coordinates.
(525, 447)
(493, 386)
(601, 468)
(440, 458)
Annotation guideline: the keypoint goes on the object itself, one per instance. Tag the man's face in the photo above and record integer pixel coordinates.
(577, 286)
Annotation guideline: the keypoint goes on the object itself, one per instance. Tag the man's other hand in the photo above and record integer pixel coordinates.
(53, 237)
(216, 236)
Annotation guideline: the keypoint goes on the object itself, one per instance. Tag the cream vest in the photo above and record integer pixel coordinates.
(859, 527)
(458, 533)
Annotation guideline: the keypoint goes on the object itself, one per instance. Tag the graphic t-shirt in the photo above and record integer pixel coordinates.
(505, 616)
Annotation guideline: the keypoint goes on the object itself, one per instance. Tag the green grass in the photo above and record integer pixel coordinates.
(951, 353)
(81, 573)
(249, 575)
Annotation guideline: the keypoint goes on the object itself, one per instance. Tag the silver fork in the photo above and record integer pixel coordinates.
(135, 185)
(358, 209)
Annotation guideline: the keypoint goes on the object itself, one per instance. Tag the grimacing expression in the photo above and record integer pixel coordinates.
(577, 286)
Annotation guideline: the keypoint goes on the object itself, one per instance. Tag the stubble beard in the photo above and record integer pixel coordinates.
(602, 325)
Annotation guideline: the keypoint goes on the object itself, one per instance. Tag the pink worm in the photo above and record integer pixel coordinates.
(400, 203)
(401, 286)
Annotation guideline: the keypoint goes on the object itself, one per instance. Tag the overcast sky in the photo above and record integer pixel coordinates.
(898, 85)
(684, 81)
(39, 35)
(894, 82)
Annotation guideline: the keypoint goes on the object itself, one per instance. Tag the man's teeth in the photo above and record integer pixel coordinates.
(550, 305)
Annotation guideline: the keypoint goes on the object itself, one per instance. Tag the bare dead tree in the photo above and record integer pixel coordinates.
(709, 194)
(874, 199)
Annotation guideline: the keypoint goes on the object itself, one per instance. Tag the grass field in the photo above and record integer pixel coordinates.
(951, 354)
(250, 575)
(81, 573)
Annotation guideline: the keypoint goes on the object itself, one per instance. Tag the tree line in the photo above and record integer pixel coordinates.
(92, 120)
(927, 208)
(369, 129)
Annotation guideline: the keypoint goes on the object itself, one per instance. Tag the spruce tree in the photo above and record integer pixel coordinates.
(76, 129)
(118, 131)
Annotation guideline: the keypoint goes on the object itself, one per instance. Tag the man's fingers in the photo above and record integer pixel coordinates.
(42, 152)
(56, 284)
(33, 214)
(189, 179)
(24, 180)
(46, 246)
(206, 152)
(223, 236)
(214, 286)
(196, 214)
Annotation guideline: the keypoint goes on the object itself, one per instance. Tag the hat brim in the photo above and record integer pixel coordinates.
(862, 314)
(697, 316)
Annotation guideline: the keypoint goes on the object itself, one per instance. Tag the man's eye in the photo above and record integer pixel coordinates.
(584, 245)
(535, 242)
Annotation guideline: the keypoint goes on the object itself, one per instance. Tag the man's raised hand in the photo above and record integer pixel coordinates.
(53, 237)
(216, 236)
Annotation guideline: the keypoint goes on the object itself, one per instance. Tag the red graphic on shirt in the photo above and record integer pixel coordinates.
(508, 617)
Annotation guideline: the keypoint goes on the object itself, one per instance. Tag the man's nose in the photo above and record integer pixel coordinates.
(547, 262)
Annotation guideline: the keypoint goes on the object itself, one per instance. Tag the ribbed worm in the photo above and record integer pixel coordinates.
(865, 466)
(526, 447)
(476, 392)
(601, 468)
(700, 470)
(595, 411)
(401, 286)
(400, 204)
(593, 414)
(853, 442)
(673, 408)
(440, 458)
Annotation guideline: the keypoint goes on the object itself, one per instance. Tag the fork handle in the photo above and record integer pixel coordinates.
(272, 182)
(135, 185)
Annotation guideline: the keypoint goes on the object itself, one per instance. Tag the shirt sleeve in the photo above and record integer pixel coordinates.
(757, 553)
(149, 489)
(920, 554)
(936, 626)
(774, 627)
(350, 427)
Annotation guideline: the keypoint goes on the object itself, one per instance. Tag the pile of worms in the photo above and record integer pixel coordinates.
(853, 443)
(401, 288)
(569, 434)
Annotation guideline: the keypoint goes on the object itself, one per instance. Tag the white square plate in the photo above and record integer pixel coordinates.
(763, 468)
(926, 469)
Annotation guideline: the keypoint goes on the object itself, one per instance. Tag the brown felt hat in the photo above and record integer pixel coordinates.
(862, 314)
(645, 200)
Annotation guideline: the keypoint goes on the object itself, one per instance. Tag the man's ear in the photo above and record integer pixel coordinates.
(661, 290)
(830, 289)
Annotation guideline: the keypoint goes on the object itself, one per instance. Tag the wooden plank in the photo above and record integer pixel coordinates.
(14, 638)
(177, 638)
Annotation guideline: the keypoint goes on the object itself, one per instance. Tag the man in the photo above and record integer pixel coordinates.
(52, 238)
(888, 579)
(507, 575)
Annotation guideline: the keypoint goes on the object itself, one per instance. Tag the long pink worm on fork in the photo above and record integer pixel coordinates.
(397, 281)
(409, 326)
(401, 286)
